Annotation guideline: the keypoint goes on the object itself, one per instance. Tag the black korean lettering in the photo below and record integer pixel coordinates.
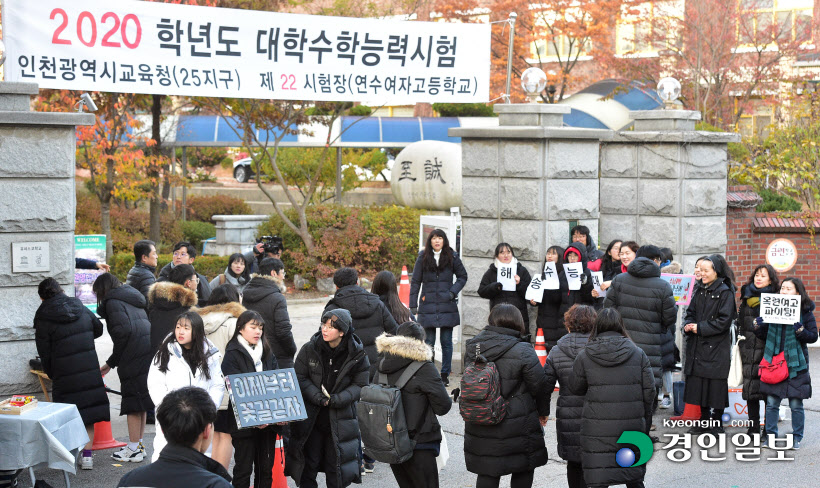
(170, 34)
(127, 73)
(340, 83)
(145, 74)
(109, 72)
(270, 38)
(26, 62)
(346, 46)
(324, 47)
(227, 42)
(397, 48)
(201, 36)
(67, 68)
(373, 57)
(294, 43)
(421, 51)
(446, 51)
(89, 68)
(48, 68)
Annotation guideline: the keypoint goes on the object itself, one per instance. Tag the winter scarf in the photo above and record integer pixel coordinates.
(795, 360)
(513, 263)
(752, 295)
(436, 255)
(255, 352)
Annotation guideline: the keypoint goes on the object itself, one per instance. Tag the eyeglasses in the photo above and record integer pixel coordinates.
(328, 326)
(195, 279)
(180, 254)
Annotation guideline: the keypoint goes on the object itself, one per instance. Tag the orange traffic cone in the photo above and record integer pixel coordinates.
(540, 346)
(690, 412)
(279, 480)
(404, 287)
(103, 438)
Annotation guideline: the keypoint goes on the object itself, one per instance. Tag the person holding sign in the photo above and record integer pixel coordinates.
(790, 339)
(493, 290)
(547, 319)
(575, 287)
(708, 342)
(248, 351)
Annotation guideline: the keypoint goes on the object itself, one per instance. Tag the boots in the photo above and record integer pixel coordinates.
(445, 379)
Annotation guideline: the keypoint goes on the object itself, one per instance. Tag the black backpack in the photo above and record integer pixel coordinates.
(381, 418)
(481, 401)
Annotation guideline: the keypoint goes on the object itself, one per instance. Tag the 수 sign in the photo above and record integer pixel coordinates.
(780, 309)
(266, 397)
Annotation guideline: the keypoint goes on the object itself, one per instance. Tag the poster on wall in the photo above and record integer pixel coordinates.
(781, 254)
(682, 287)
(88, 247)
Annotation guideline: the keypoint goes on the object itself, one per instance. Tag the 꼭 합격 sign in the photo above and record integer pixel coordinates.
(682, 287)
(780, 309)
(265, 397)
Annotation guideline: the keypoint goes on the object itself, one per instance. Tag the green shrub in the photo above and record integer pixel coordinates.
(464, 110)
(210, 266)
(369, 239)
(204, 157)
(202, 208)
(360, 110)
(774, 202)
(195, 232)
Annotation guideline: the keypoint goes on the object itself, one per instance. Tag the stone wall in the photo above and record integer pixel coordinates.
(37, 204)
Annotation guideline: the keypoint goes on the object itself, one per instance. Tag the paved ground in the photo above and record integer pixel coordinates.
(660, 471)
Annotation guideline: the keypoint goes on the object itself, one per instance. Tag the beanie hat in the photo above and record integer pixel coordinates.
(573, 250)
(340, 318)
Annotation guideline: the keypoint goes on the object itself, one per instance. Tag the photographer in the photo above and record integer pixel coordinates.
(265, 247)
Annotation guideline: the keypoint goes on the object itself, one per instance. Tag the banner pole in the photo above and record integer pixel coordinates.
(513, 16)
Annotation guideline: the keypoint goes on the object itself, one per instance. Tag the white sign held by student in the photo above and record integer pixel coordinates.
(780, 309)
(506, 276)
(597, 281)
(536, 290)
(551, 277)
(573, 272)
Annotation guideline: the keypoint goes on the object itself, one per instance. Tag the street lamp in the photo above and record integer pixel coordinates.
(669, 91)
(533, 81)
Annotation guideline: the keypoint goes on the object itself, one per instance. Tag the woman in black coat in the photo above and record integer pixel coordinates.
(254, 448)
(579, 320)
(123, 308)
(547, 319)
(438, 277)
(790, 339)
(423, 398)
(615, 377)
(708, 342)
(516, 444)
(565, 298)
(64, 332)
(167, 300)
(490, 287)
(763, 280)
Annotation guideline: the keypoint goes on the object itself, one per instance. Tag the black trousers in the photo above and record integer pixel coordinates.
(420, 471)
(518, 480)
(575, 475)
(254, 454)
(320, 455)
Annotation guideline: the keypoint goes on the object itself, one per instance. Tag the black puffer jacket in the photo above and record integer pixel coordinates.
(547, 319)
(203, 288)
(238, 361)
(565, 298)
(800, 385)
(371, 318)
(424, 396)
(141, 277)
(647, 307)
(124, 312)
(491, 290)
(516, 444)
(64, 333)
(166, 302)
(179, 466)
(570, 405)
(264, 295)
(344, 427)
(438, 303)
(708, 352)
(615, 378)
(751, 348)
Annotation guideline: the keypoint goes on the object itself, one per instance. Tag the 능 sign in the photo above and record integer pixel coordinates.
(30, 257)
(161, 48)
(682, 287)
(781, 255)
(780, 309)
(265, 397)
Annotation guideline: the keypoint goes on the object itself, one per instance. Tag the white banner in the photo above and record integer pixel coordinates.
(597, 281)
(551, 276)
(536, 290)
(506, 276)
(573, 272)
(780, 309)
(158, 48)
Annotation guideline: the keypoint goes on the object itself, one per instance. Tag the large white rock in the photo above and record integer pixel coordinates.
(427, 174)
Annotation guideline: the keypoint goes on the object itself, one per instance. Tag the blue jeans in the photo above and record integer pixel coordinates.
(773, 414)
(446, 346)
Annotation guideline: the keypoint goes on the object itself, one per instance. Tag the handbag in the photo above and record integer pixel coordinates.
(736, 369)
(443, 452)
(774, 372)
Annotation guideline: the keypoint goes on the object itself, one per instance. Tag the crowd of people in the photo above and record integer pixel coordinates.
(176, 335)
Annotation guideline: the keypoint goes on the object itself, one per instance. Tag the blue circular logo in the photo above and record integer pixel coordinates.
(726, 417)
(625, 457)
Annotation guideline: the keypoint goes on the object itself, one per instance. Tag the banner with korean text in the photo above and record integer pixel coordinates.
(265, 397)
(159, 48)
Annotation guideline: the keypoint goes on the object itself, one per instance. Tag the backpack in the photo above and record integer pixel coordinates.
(480, 401)
(381, 418)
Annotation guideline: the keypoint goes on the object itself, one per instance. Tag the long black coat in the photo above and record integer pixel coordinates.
(64, 331)
(438, 303)
(141, 276)
(264, 295)
(565, 298)
(647, 307)
(371, 318)
(166, 302)
(124, 312)
(344, 426)
(570, 405)
(708, 352)
(800, 385)
(203, 288)
(516, 444)
(491, 290)
(615, 378)
(751, 348)
(238, 361)
(424, 396)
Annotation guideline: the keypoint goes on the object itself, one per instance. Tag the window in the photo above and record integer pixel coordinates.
(779, 20)
(756, 120)
(648, 28)
(563, 46)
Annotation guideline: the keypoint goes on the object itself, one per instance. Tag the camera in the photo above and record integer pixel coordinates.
(271, 244)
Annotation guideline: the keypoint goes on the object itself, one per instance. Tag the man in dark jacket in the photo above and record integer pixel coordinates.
(141, 275)
(423, 398)
(186, 416)
(185, 253)
(581, 234)
(332, 368)
(370, 317)
(647, 306)
(264, 294)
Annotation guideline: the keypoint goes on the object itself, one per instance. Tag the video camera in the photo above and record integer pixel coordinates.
(272, 244)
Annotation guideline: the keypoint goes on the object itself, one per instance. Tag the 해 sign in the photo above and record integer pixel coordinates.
(597, 281)
(682, 287)
(536, 290)
(171, 49)
(265, 397)
(506, 277)
(551, 281)
(573, 272)
(781, 254)
(780, 309)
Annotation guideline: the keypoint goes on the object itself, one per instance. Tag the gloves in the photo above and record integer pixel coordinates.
(798, 327)
(414, 310)
(584, 279)
(453, 295)
(758, 322)
(325, 402)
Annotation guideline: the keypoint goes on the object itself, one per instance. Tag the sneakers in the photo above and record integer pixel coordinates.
(142, 449)
(126, 455)
(796, 445)
(369, 467)
(86, 463)
(666, 403)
